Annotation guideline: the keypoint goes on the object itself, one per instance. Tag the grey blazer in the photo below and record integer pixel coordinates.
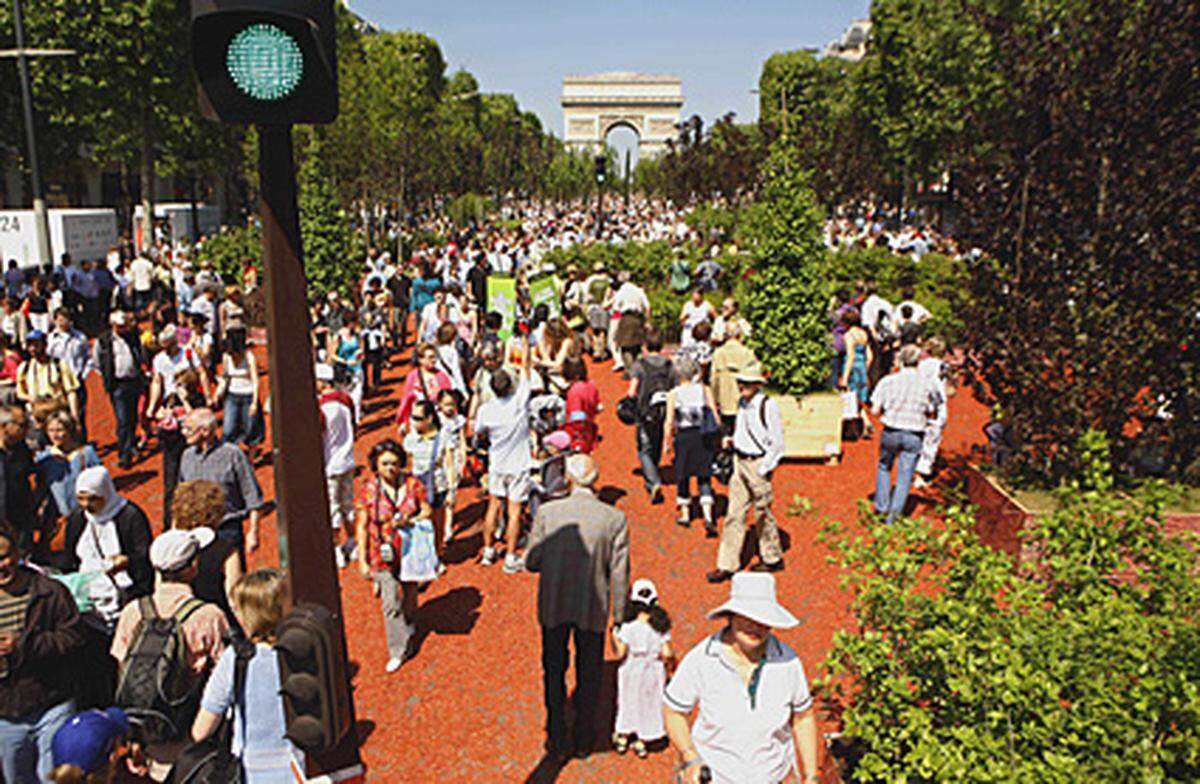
(580, 547)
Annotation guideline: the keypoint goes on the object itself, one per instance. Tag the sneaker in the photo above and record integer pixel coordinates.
(513, 564)
(339, 557)
(656, 494)
(488, 556)
(448, 532)
(639, 748)
(920, 483)
(393, 664)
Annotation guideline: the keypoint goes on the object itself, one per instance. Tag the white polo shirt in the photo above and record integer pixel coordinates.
(742, 739)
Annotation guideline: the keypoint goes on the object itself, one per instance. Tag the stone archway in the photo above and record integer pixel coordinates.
(594, 105)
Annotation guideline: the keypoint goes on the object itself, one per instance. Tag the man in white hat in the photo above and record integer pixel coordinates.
(757, 447)
(755, 709)
(120, 357)
(337, 440)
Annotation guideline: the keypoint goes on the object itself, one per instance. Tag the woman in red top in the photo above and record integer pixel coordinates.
(387, 504)
(426, 382)
(583, 406)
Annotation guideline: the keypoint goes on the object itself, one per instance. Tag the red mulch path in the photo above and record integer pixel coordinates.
(468, 707)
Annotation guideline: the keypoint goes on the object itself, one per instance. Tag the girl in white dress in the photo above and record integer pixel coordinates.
(643, 644)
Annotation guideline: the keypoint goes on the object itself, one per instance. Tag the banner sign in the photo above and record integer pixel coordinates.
(502, 299)
(544, 291)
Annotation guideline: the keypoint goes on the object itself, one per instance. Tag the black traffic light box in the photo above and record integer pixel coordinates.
(601, 167)
(315, 687)
(267, 62)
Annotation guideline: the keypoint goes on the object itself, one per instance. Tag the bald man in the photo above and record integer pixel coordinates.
(580, 548)
(210, 459)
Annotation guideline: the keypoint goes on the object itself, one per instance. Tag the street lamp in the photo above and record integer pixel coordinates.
(22, 54)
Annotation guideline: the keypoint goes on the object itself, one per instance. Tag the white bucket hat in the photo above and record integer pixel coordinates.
(752, 595)
(643, 591)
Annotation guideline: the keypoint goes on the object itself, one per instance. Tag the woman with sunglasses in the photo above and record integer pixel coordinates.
(388, 504)
(425, 382)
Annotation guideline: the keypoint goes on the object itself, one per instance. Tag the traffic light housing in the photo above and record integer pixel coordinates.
(315, 688)
(266, 62)
(601, 167)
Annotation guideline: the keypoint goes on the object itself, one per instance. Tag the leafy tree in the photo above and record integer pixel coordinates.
(330, 251)
(786, 297)
(1084, 306)
(964, 667)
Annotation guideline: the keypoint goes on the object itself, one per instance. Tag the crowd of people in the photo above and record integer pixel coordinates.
(502, 402)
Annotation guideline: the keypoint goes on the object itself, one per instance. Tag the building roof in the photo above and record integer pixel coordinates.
(628, 77)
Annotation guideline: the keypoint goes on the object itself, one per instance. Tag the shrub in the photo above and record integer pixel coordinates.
(1082, 668)
(227, 250)
(786, 297)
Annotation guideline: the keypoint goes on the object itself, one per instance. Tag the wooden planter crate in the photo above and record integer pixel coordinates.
(812, 426)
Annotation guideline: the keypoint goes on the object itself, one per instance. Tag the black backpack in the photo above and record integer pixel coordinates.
(157, 689)
(658, 378)
(211, 761)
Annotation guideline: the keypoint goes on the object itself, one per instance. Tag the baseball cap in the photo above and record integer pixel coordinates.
(35, 334)
(324, 372)
(643, 590)
(174, 549)
(86, 739)
(167, 333)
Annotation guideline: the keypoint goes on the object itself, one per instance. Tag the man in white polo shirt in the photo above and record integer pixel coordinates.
(754, 712)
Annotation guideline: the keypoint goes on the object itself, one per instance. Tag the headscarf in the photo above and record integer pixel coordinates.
(96, 481)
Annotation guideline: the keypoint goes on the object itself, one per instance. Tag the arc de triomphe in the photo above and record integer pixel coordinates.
(648, 103)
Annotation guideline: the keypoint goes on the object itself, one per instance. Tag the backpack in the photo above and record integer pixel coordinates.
(211, 760)
(657, 380)
(157, 689)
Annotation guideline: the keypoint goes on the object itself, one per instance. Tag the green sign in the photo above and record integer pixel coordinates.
(502, 299)
(265, 62)
(544, 291)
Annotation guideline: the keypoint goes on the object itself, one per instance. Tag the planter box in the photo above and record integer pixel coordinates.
(1001, 516)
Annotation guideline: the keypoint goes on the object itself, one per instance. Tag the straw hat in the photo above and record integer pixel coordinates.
(751, 374)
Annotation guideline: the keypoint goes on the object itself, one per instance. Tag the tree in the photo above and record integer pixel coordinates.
(1084, 303)
(330, 260)
(785, 299)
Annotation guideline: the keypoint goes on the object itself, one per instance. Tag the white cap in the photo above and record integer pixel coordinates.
(643, 590)
(117, 318)
(324, 372)
(174, 549)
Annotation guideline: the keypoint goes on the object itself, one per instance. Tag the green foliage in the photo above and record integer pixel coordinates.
(785, 297)
(964, 668)
(331, 249)
(468, 209)
(230, 250)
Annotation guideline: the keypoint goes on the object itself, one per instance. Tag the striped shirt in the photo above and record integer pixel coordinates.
(12, 619)
(906, 400)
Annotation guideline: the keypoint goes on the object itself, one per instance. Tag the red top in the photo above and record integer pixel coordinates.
(583, 396)
(414, 391)
(381, 513)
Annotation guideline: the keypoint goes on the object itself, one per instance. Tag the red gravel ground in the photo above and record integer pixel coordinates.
(468, 707)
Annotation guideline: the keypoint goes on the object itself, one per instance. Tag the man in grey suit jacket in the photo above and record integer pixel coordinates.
(580, 547)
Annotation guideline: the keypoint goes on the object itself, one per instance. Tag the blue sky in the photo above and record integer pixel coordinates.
(525, 47)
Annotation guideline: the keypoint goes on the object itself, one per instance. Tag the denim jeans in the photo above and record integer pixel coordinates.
(25, 743)
(649, 452)
(902, 447)
(125, 395)
(236, 424)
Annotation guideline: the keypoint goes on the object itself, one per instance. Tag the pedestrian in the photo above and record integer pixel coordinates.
(425, 382)
(40, 640)
(206, 457)
(855, 365)
(44, 378)
(262, 748)
(389, 503)
(904, 401)
(642, 643)
(346, 356)
(336, 411)
(933, 368)
(692, 430)
(201, 504)
(237, 387)
(430, 451)
(505, 423)
(583, 406)
(696, 310)
(629, 330)
(70, 346)
(96, 746)
(650, 379)
(754, 712)
(579, 547)
(16, 462)
(729, 359)
(454, 437)
(757, 444)
(879, 320)
(169, 413)
(121, 359)
(58, 467)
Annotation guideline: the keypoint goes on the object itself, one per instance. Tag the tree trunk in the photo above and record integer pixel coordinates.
(146, 173)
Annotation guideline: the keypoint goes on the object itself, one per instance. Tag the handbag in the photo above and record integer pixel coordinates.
(709, 426)
(211, 760)
(849, 404)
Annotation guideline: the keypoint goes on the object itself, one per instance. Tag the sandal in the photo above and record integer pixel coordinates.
(620, 743)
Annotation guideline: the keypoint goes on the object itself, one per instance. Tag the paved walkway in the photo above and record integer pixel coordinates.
(468, 707)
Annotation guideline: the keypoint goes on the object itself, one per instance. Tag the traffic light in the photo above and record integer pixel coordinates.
(315, 688)
(267, 62)
(601, 167)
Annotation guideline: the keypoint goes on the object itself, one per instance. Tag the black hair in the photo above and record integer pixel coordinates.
(659, 620)
(14, 539)
(235, 340)
(654, 339)
(502, 384)
(424, 409)
(382, 448)
(454, 395)
(493, 321)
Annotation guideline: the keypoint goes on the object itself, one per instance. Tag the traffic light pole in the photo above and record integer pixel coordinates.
(302, 509)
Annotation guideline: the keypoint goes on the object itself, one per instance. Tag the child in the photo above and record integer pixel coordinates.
(455, 450)
(92, 747)
(643, 644)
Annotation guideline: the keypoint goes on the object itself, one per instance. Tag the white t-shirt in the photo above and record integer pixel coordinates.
(871, 309)
(338, 438)
(919, 312)
(168, 366)
(630, 297)
(141, 272)
(506, 421)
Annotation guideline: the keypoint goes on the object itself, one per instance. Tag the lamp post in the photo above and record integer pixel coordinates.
(22, 54)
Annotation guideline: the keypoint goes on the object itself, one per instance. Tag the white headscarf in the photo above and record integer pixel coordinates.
(96, 481)
(99, 543)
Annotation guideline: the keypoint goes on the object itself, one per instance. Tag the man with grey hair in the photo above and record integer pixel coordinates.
(212, 460)
(904, 401)
(580, 548)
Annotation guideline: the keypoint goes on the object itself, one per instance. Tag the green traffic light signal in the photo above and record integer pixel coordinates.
(265, 62)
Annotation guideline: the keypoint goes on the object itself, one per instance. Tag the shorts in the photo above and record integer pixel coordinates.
(597, 318)
(514, 487)
(340, 490)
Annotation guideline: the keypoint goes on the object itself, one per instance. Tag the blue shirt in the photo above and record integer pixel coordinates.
(58, 474)
(422, 293)
(260, 743)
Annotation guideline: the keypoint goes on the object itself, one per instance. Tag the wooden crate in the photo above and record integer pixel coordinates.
(812, 426)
